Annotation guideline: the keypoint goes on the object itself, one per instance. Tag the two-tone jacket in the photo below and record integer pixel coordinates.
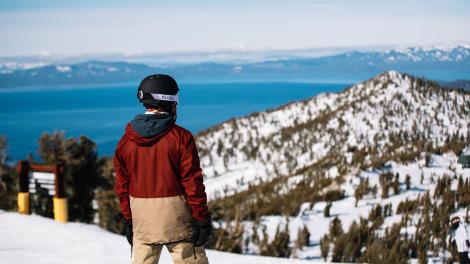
(159, 180)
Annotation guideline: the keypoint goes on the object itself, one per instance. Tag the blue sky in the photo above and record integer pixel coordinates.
(29, 27)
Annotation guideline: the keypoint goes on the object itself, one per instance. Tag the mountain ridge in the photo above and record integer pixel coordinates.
(234, 147)
(349, 67)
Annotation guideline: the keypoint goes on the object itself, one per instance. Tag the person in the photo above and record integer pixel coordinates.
(159, 180)
(459, 236)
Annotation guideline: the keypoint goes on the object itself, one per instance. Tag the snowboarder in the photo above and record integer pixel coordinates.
(459, 235)
(159, 180)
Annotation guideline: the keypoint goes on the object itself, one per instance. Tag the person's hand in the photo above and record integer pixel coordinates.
(128, 231)
(202, 232)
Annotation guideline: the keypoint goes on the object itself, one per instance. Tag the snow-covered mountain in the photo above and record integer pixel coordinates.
(90, 72)
(417, 54)
(445, 64)
(379, 158)
(387, 114)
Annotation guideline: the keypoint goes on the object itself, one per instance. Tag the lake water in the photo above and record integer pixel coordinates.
(101, 113)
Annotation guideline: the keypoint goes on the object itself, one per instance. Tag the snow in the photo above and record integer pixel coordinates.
(432, 53)
(244, 172)
(7, 67)
(237, 69)
(346, 210)
(63, 68)
(355, 123)
(37, 240)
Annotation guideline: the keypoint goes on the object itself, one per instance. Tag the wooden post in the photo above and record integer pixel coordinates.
(60, 200)
(23, 194)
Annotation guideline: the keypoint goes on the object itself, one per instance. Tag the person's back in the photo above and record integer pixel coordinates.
(159, 180)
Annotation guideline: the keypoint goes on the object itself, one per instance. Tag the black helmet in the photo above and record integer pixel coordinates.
(158, 90)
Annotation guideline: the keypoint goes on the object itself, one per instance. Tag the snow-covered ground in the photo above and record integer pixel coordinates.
(37, 240)
(313, 216)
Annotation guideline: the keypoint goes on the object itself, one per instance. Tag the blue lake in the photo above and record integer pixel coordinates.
(101, 112)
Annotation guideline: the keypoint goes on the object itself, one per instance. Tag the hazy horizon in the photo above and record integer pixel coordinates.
(66, 28)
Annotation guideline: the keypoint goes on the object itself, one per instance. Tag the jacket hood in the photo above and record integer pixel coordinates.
(147, 129)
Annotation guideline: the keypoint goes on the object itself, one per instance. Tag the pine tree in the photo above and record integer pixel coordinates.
(422, 257)
(8, 179)
(280, 243)
(230, 238)
(326, 212)
(303, 238)
(361, 190)
(52, 147)
(408, 182)
(324, 246)
(385, 180)
(82, 176)
(374, 252)
(279, 246)
(109, 211)
(428, 160)
(339, 248)
(306, 235)
(3, 149)
(82, 171)
(336, 228)
(396, 184)
(263, 246)
(255, 237)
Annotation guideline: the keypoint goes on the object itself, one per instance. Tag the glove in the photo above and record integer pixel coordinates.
(202, 232)
(468, 243)
(128, 231)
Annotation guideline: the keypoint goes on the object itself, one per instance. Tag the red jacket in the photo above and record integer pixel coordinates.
(164, 165)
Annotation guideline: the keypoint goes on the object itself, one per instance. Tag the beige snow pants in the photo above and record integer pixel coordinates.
(181, 253)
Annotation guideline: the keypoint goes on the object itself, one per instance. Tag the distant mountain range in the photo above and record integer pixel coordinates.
(463, 84)
(432, 63)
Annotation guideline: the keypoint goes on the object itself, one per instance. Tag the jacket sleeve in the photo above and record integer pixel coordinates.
(192, 179)
(121, 184)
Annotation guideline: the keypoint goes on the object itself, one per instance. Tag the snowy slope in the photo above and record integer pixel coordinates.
(370, 114)
(312, 215)
(37, 240)
(442, 166)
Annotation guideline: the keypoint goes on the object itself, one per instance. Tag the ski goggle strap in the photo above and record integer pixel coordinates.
(165, 97)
